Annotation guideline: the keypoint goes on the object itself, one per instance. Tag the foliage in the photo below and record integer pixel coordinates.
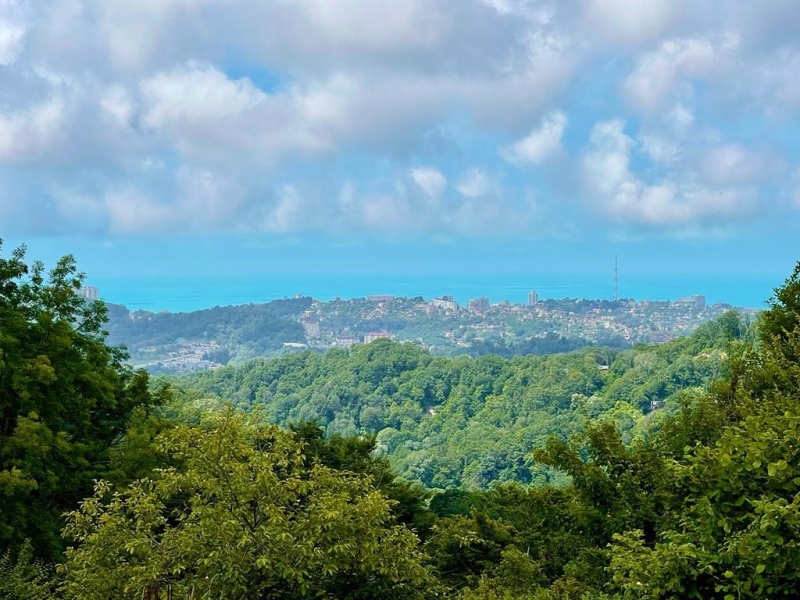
(550, 343)
(700, 499)
(65, 399)
(703, 503)
(241, 331)
(450, 422)
(783, 316)
(546, 526)
(738, 521)
(244, 515)
(356, 455)
(25, 578)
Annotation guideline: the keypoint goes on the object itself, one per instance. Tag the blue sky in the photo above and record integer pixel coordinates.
(243, 137)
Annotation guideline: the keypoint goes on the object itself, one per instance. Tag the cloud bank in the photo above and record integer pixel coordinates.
(423, 116)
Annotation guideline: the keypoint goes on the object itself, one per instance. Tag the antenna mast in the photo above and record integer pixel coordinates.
(616, 279)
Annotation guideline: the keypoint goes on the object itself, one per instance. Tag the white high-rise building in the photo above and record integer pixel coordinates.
(89, 292)
(533, 298)
(445, 303)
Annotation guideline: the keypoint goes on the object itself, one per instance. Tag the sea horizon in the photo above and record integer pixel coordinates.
(186, 294)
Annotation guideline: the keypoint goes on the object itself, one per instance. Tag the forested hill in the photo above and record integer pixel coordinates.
(449, 422)
(237, 332)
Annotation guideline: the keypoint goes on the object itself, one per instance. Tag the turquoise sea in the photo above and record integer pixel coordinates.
(178, 294)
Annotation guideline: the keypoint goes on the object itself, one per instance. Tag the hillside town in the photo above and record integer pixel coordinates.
(174, 343)
(442, 324)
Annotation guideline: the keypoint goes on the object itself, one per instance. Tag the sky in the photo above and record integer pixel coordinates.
(256, 137)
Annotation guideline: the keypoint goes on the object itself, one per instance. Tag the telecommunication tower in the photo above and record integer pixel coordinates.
(616, 279)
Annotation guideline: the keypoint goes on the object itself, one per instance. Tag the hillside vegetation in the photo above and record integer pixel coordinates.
(111, 487)
(240, 331)
(449, 422)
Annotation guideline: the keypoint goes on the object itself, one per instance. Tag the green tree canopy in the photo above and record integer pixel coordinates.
(65, 398)
(738, 521)
(245, 514)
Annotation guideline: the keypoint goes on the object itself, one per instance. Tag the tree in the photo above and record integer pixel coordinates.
(245, 514)
(783, 316)
(738, 533)
(355, 454)
(621, 487)
(738, 520)
(26, 578)
(65, 399)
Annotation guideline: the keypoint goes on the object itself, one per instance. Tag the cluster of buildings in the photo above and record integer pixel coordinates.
(481, 305)
(443, 321)
(444, 326)
(313, 333)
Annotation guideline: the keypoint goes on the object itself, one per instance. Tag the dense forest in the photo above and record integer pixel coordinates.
(555, 477)
(241, 331)
(450, 422)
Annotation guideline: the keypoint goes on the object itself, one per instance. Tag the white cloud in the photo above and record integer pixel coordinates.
(480, 215)
(199, 200)
(128, 30)
(130, 211)
(196, 94)
(77, 208)
(364, 26)
(795, 183)
(778, 80)
(26, 135)
(735, 164)
(11, 37)
(619, 195)
(607, 164)
(118, 104)
(474, 184)
(119, 209)
(430, 181)
(385, 212)
(664, 138)
(198, 115)
(504, 7)
(207, 114)
(652, 83)
(206, 200)
(12, 31)
(541, 144)
(630, 21)
(286, 213)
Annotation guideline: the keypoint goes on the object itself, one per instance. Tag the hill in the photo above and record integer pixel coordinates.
(167, 342)
(449, 422)
(196, 340)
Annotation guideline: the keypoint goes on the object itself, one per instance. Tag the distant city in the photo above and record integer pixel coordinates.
(163, 342)
(664, 320)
